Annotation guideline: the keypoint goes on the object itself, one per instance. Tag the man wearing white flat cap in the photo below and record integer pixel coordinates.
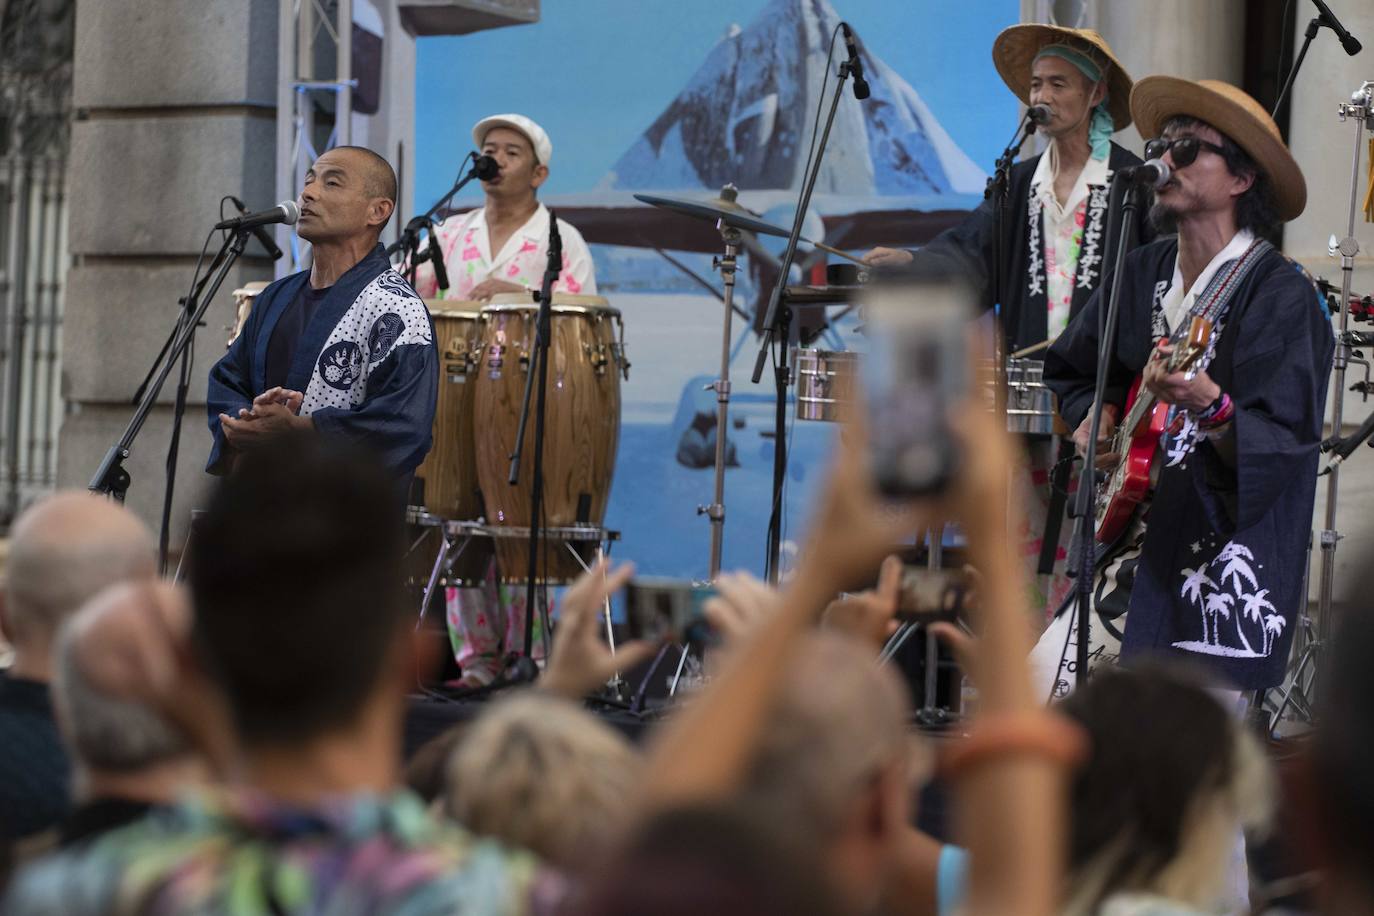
(502, 247)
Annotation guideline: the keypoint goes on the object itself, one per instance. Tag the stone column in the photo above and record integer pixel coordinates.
(1181, 38)
(174, 101)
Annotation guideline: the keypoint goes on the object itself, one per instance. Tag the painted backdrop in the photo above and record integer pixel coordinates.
(677, 99)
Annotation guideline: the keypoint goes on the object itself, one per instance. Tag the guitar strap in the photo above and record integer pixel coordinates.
(1216, 298)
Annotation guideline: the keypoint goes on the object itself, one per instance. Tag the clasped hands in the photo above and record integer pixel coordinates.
(275, 411)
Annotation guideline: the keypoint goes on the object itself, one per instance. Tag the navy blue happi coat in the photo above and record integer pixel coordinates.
(1221, 575)
(365, 362)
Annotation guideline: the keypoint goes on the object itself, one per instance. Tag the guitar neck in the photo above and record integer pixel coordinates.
(1141, 408)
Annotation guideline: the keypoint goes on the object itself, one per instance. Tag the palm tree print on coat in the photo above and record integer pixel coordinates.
(1230, 583)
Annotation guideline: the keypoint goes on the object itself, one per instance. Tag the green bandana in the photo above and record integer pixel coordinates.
(1100, 130)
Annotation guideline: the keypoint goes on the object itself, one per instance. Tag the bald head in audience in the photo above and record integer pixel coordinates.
(63, 551)
(835, 762)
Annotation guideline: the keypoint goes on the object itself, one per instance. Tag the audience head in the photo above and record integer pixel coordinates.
(63, 551)
(113, 739)
(539, 772)
(295, 581)
(1171, 779)
(720, 861)
(1342, 761)
(835, 761)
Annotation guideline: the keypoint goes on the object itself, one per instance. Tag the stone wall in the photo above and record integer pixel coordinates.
(175, 108)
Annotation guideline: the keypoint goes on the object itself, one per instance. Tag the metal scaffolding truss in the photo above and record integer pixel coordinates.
(312, 35)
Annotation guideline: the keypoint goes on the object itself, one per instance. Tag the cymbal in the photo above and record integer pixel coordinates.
(716, 209)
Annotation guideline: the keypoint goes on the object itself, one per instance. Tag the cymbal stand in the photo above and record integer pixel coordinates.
(727, 266)
(1298, 695)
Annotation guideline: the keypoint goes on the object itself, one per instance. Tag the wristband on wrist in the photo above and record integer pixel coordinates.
(1220, 412)
(1039, 734)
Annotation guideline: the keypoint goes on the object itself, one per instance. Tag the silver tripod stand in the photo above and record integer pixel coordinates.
(1299, 695)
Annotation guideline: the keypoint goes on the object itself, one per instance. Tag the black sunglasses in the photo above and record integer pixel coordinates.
(1185, 149)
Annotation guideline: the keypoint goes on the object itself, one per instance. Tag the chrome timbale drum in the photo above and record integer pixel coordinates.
(1030, 405)
(825, 383)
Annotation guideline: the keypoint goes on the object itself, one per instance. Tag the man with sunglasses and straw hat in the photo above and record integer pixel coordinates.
(1059, 231)
(1216, 571)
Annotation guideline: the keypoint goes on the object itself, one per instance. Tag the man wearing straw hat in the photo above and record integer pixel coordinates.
(1216, 573)
(1059, 232)
(1058, 238)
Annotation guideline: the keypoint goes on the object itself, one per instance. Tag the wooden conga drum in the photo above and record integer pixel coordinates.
(449, 471)
(582, 423)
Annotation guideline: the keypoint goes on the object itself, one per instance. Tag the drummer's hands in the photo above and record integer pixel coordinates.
(888, 257)
(488, 288)
(580, 660)
(1105, 431)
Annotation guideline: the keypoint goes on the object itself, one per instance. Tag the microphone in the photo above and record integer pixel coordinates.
(1039, 115)
(485, 168)
(1348, 41)
(436, 256)
(264, 238)
(285, 212)
(856, 64)
(1153, 172)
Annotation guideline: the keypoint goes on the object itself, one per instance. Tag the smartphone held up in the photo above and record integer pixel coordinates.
(916, 372)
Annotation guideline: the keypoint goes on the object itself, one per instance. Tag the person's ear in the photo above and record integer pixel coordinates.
(1242, 183)
(379, 211)
(541, 175)
(1098, 94)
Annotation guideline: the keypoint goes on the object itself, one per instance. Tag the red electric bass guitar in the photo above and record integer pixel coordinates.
(1137, 440)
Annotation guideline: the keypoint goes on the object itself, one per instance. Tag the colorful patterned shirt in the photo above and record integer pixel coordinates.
(1063, 231)
(469, 259)
(237, 853)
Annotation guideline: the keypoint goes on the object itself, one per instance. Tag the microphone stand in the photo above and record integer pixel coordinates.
(776, 324)
(996, 191)
(1322, 19)
(1084, 540)
(409, 239)
(111, 478)
(543, 329)
(178, 409)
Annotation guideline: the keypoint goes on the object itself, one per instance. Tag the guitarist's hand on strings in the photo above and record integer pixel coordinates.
(1106, 458)
(1195, 394)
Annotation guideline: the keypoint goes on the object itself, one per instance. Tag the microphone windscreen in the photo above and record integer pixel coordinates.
(290, 212)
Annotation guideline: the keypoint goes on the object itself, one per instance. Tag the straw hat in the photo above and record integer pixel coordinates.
(1156, 99)
(1014, 52)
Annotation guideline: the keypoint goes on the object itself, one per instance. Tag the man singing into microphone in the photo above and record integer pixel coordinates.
(1216, 571)
(1057, 241)
(344, 348)
(1059, 231)
(502, 247)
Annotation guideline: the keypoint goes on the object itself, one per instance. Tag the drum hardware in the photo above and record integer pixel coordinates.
(1304, 676)
(732, 221)
(777, 321)
(825, 381)
(583, 421)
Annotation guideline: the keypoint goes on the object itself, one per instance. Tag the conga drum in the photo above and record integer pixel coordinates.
(449, 471)
(581, 422)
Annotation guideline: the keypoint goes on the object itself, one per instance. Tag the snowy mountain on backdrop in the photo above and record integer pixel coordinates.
(746, 116)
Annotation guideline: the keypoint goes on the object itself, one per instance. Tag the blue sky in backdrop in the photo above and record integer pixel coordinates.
(596, 73)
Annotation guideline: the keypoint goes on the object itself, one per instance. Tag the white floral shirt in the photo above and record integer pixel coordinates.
(1063, 231)
(468, 257)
